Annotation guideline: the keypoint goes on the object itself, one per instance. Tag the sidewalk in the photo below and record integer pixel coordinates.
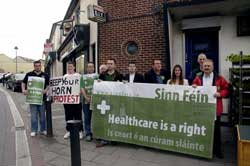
(56, 151)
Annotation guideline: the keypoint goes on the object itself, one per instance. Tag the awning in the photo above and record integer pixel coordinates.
(79, 35)
(72, 53)
(193, 9)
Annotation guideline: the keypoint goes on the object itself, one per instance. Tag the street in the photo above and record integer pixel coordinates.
(55, 151)
(7, 134)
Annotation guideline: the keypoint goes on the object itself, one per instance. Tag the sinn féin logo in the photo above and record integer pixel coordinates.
(103, 107)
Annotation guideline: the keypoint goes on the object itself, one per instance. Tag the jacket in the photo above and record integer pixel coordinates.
(138, 78)
(115, 77)
(222, 87)
(150, 76)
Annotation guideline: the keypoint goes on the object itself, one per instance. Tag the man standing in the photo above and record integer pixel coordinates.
(73, 111)
(37, 110)
(156, 75)
(210, 78)
(197, 71)
(133, 76)
(88, 82)
(111, 74)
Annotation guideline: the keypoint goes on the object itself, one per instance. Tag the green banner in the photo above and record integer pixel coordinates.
(174, 118)
(88, 82)
(35, 87)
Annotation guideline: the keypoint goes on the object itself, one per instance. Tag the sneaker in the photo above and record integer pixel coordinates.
(66, 136)
(43, 132)
(88, 138)
(102, 143)
(33, 134)
(81, 135)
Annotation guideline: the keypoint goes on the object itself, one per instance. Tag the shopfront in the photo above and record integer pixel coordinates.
(75, 48)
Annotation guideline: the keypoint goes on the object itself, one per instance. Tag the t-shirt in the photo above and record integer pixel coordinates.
(34, 74)
(185, 82)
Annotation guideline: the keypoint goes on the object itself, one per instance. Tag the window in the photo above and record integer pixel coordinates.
(243, 25)
(132, 48)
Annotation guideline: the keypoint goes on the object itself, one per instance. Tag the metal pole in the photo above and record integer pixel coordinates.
(74, 126)
(16, 48)
(49, 118)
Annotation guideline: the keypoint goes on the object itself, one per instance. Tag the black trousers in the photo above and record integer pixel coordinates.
(73, 112)
(217, 137)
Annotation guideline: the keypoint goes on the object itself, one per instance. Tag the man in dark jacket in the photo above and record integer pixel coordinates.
(111, 74)
(133, 76)
(156, 75)
(197, 71)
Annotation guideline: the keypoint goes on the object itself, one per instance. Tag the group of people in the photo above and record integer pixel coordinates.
(204, 75)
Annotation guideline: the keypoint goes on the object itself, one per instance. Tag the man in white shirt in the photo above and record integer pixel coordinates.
(210, 78)
(133, 76)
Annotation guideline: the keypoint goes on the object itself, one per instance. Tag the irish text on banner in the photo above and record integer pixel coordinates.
(35, 88)
(174, 118)
(65, 89)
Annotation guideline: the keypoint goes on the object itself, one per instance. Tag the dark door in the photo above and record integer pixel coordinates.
(201, 41)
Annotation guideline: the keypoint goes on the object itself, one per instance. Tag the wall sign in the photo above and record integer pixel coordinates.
(96, 14)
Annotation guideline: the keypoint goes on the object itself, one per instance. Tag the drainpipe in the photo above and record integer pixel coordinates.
(166, 36)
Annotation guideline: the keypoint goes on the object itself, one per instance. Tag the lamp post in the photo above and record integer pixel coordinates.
(16, 48)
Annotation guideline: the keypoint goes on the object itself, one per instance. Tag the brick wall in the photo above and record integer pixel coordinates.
(132, 20)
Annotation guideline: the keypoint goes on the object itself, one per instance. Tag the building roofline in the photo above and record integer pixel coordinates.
(70, 9)
(174, 3)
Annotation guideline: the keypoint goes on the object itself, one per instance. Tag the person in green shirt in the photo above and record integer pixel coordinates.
(88, 82)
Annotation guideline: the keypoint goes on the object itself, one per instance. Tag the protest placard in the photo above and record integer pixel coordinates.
(174, 118)
(65, 89)
(35, 88)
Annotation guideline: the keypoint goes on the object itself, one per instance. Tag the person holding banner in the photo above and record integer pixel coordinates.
(40, 80)
(73, 111)
(210, 78)
(88, 82)
(177, 77)
(133, 76)
(111, 74)
(156, 75)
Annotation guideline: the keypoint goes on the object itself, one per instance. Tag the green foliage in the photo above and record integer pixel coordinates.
(235, 58)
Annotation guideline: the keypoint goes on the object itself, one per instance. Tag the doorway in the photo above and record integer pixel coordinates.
(201, 41)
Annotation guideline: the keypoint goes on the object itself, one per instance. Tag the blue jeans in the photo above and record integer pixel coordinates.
(87, 119)
(37, 111)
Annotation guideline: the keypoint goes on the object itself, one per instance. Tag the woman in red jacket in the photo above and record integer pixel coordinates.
(210, 78)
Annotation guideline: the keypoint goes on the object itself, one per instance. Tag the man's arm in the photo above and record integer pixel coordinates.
(24, 83)
(46, 84)
(222, 88)
(24, 91)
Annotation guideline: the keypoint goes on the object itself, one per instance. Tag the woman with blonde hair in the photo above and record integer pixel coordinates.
(177, 77)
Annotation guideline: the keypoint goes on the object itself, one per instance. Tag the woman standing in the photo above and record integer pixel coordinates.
(177, 77)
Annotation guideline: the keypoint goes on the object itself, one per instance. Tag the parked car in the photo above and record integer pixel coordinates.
(1, 77)
(5, 76)
(15, 81)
